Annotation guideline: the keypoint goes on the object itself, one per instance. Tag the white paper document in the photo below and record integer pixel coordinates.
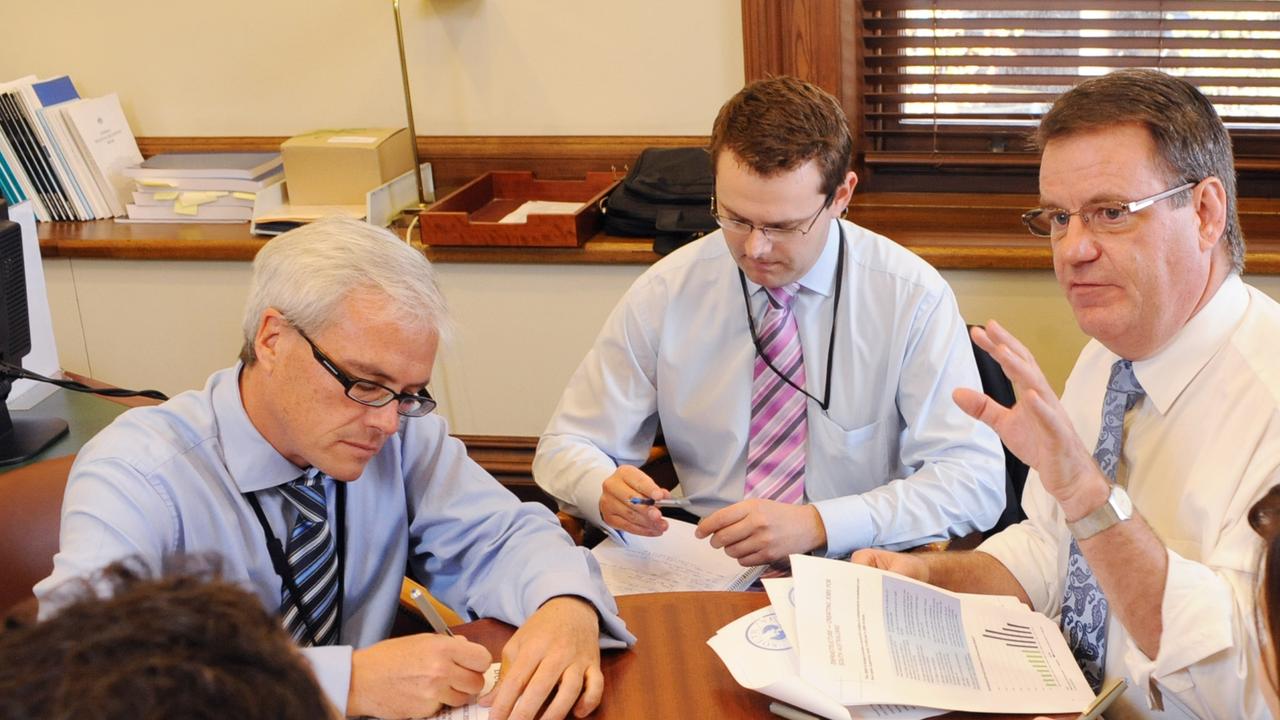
(539, 207)
(672, 562)
(472, 711)
(758, 653)
(878, 637)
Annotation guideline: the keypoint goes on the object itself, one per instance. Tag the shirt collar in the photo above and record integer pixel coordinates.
(821, 277)
(1165, 375)
(251, 461)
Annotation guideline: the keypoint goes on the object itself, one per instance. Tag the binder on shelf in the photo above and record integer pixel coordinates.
(101, 132)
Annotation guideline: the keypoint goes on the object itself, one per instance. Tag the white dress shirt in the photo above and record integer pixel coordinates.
(893, 462)
(1200, 448)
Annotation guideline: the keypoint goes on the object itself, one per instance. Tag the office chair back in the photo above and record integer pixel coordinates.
(996, 384)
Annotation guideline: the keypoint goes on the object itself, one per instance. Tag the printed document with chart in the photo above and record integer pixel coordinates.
(848, 641)
(881, 637)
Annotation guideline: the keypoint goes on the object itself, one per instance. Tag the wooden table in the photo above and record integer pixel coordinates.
(672, 672)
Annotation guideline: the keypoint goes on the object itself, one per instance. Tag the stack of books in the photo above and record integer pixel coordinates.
(62, 152)
(200, 187)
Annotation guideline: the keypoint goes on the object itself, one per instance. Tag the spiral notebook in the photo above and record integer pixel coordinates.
(673, 562)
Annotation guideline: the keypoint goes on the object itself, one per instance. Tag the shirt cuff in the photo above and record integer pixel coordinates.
(332, 667)
(1197, 613)
(848, 524)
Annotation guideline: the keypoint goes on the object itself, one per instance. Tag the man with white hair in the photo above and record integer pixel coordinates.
(316, 469)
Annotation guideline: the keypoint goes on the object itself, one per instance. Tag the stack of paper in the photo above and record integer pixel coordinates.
(675, 561)
(846, 641)
(200, 187)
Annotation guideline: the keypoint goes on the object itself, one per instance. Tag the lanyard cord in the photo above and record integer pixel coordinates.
(281, 564)
(825, 402)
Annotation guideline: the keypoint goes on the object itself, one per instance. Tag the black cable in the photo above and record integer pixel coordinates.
(15, 372)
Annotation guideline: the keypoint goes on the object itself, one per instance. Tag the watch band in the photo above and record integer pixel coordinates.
(1116, 509)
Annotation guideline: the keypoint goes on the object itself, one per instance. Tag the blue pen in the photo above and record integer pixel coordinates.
(669, 502)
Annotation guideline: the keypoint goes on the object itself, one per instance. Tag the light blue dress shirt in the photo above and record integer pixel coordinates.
(169, 480)
(893, 462)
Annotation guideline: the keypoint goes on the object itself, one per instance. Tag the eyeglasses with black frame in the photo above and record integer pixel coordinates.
(733, 226)
(1112, 216)
(368, 392)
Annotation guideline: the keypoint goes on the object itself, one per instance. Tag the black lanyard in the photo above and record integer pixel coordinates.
(281, 563)
(825, 402)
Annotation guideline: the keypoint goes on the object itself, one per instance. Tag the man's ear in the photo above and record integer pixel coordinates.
(844, 193)
(266, 342)
(1210, 203)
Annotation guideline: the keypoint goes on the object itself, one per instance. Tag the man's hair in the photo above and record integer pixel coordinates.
(1190, 138)
(1264, 518)
(778, 124)
(306, 274)
(185, 646)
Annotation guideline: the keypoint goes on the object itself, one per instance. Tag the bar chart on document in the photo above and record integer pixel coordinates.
(933, 639)
(1017, 657)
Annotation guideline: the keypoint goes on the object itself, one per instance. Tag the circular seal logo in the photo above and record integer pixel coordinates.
(766, 633)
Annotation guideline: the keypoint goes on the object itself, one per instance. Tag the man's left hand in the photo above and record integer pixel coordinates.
(759, 532)
(559, 645)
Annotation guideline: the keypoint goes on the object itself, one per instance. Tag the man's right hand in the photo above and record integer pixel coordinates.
(907, 564)
(413, 676)
(617, 510)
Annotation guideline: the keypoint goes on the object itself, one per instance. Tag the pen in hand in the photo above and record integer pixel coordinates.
(668, 502)
(424, 606)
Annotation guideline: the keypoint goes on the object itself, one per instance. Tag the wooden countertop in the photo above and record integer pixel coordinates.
(950, 231)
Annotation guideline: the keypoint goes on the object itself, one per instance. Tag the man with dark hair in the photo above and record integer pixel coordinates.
(318, 471)
(188, 645)
(798, 365)
(1144, 548)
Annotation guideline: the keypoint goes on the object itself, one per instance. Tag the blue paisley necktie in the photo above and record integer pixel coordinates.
(1084, 607)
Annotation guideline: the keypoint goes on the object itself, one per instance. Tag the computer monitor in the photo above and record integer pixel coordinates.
(20, 438)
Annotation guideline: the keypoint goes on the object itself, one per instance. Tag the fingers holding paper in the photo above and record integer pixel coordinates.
(905, 564)
(759, 532)
(1036, 429)
(619, 512)
(556, 655)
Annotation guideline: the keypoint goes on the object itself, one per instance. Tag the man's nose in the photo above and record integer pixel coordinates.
(757, 243)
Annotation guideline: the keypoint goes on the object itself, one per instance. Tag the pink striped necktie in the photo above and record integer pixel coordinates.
(776, 447)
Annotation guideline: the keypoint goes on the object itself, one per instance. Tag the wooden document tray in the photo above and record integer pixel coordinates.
(470, 215)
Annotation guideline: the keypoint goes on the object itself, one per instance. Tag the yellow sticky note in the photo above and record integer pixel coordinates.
(186, 209)
(167, 195)
(244, 195)
(157, 183)
(199, 198)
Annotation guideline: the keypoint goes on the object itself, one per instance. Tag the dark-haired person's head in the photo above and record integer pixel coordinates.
(188, 646)
(1264, 517)
(1138, 202)
(782, 150)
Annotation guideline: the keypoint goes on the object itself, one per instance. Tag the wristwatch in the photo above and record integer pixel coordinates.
(1117, 508)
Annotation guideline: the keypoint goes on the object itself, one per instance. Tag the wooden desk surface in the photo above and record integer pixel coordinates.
(672, 672)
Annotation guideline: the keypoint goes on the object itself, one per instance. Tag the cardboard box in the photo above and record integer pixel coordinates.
(337, 167)
(472, 215)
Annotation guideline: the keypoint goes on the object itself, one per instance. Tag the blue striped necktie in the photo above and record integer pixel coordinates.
(313, 563)
(1084, 607)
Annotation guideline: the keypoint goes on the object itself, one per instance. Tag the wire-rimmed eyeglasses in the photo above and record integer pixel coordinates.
(734, 226)
(1111, 216)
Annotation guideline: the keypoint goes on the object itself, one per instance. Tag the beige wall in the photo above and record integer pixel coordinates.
(521, 328)
(487, 67)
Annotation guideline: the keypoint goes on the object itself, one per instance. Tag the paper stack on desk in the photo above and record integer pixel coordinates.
(200, 187)
(845, 641)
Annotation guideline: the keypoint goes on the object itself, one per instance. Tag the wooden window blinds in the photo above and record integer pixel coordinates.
(962, 82)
